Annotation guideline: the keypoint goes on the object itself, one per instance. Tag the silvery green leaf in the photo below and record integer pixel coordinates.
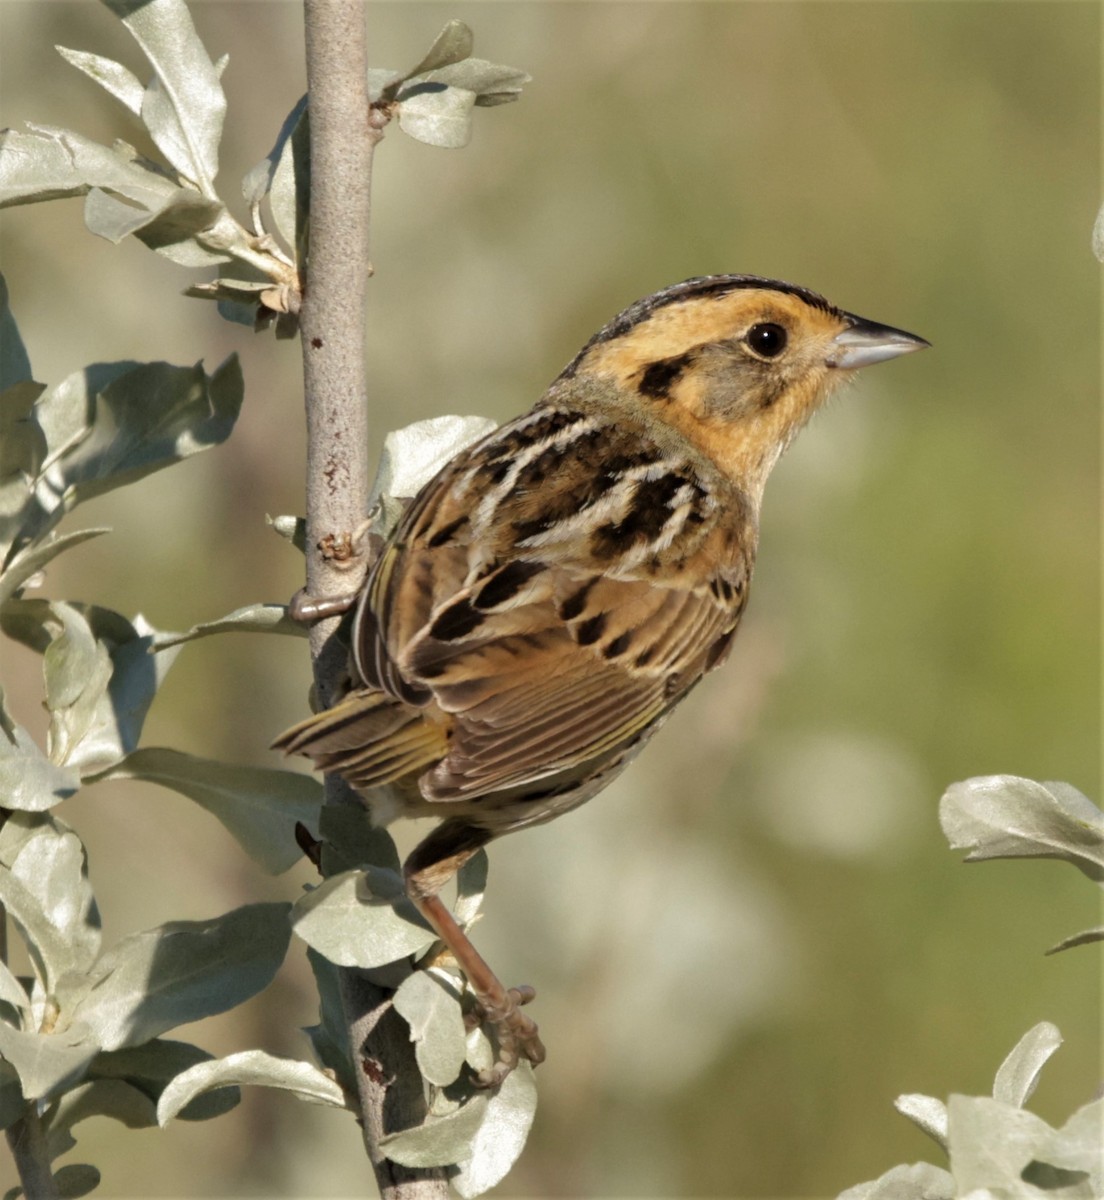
(47, 163)
(386, 514)
(991, 1146)
(100, 677)
(1098, 235)
(1019, 1073)
(75, 1180)
(184, 106)
(112, 1098)
(926, 1112)
(121, 83)
(12, 991)
(439, 1141)
(920, 1181)
(136, 675)
(20, 828)
(59, 1145)
(52, 864)
(351, 840)
(1004, 816)
(284, 176)
(431, 1007)
(254, 618)
(47, 949)
(437, 115)
(259, 806)
(188, 253)
(32, 558)
(116, 422)
(480, 1053)
(291, 529)
(44, 887)
(76, 666)
(485, 79)
(255, 1067)
(329, 1038)
(179, 972)
(494, 99)
(451, 45)
(1084, 938)
(29, 781)
(414, 454)
(47, 1062)
(15, 366)
(151, 1066)
(501, 1136)
(354, 925)
(12, 1104)
(471, 883)
(113, 219)
(1079, 1147)
(238, 313)
(226, 288)
(169, 228)
(22, 449)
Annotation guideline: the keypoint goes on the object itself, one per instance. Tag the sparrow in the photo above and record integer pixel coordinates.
(557, 589)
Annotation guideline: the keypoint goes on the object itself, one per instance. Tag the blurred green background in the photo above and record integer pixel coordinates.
(757, 938)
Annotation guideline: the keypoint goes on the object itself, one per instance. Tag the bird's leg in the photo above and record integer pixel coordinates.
(431, 864)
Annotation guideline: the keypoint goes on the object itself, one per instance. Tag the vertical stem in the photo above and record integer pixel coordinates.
(27, 1142)
(335, 375)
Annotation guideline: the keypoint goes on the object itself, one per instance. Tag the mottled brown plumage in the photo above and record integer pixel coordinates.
(558, 588)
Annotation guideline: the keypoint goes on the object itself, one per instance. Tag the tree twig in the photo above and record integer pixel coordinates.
(343, 137)
(27, 1141)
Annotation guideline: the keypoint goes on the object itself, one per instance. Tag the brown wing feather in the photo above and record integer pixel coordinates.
(542, 664)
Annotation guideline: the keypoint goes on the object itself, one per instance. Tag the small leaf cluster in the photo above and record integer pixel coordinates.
(171, 203)
(1004, 816)
(995, 1147)
(434, 100)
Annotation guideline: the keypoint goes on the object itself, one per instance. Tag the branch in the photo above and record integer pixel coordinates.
(27, 1142)
(335, 381)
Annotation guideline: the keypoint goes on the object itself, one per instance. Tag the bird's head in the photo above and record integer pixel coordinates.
(736, 363)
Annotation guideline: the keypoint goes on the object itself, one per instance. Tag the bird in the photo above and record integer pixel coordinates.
(552, 594)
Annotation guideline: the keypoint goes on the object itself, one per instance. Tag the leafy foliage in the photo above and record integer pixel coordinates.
(82, 1036)
(1003, 816)
(994, 1146)
(434, 100)
(173, 207)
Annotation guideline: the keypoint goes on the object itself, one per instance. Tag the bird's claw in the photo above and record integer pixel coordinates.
(515, 1033)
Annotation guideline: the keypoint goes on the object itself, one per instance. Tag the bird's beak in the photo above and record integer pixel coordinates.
(864, 342)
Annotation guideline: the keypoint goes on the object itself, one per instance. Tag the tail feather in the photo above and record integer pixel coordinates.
(368, 738)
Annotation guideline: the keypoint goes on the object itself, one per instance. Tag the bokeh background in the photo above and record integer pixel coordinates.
(758, 937)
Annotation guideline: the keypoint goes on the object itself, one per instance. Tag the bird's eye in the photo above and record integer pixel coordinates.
(767, 340)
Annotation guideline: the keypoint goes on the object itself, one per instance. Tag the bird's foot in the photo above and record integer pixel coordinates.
(514, 1031)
